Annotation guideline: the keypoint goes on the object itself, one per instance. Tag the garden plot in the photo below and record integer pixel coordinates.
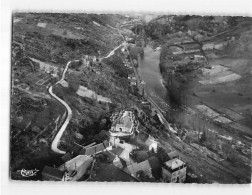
(233, 115)
(242, 128)
(218, 74)
(207, 111)
(215, 69)
(85, 92)
(46, 66)
(221, 79)
(222, 119)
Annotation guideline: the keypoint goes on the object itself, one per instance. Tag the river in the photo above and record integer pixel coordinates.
(149, 72)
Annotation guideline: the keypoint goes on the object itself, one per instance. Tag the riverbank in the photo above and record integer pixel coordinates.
(212, 107)
(188, 125)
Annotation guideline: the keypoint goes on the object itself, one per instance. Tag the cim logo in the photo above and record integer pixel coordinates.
(28, 173)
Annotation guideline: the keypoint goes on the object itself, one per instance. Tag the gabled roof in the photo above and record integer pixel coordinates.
(135, 167)
(117, 151)
(92, 150)
(51, 174)
(105, 143)
(174, 163)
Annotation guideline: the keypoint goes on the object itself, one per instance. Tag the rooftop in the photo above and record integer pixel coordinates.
(136, 167)
(76, 167)
(174, 163)
(94, 149)
(123, 124)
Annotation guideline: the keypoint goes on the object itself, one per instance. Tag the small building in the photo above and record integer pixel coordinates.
(52, 174)
(174, 171)
(119, 162)
(75, 168)
(90, 151)
(135, 168)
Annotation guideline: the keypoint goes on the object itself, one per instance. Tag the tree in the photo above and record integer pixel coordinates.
(100, 137)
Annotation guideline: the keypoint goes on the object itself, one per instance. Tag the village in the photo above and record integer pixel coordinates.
(128, 155)
(139, 109)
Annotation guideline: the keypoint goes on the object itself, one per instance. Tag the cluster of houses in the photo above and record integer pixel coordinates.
(133, 153)
(139, 156)
(139, 160)
(88, 60)
(132, 79)
(77, 163)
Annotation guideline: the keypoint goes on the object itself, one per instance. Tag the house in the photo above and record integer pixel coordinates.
(135, 168)
(119, 162)
(75, 168)
(106, 143)
(174, 171)
(90, 151)
(52, 174)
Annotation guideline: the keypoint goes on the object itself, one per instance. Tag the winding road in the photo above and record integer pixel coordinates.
(56, 140)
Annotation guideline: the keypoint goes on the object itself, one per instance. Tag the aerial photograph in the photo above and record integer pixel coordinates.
(137, 97)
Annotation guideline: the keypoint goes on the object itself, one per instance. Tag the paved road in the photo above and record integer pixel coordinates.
(57, 138)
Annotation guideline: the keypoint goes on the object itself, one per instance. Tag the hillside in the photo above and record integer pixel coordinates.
(42, 44)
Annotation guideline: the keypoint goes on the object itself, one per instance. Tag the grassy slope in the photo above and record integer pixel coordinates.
(60, 42)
